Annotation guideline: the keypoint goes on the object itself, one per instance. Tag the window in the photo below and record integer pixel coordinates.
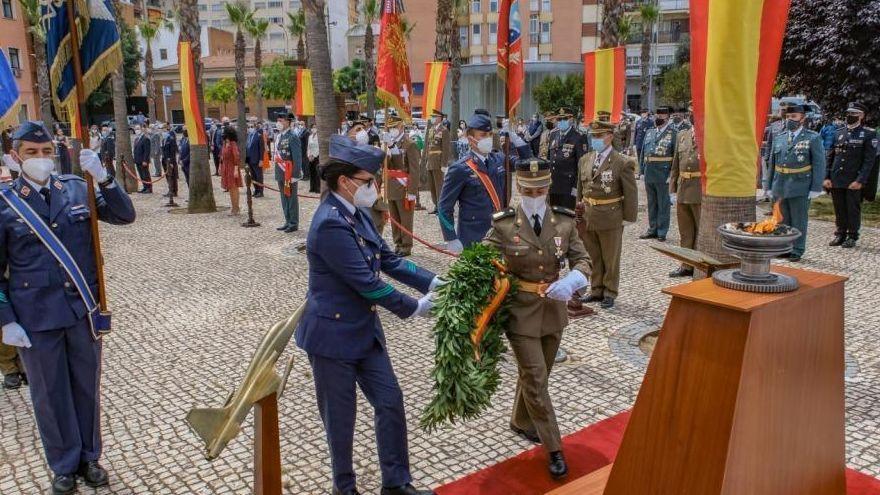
(533, 53)
(259, 5)
(633, 62)
(14, 61)
(492, 58)
(533, 5)
(534, 34)
(276, 20)
(163, 54)
(476, 59)
(545, 57)
(276, 36)
(203, 7)
(216, 23)
(7, 9)
(217, 7)
(545, 5)
(23, 113)
(493, 33)
(475, 6)
(295, 4)
(463, 36)
(493, 5)
(545, 32)
(203, 23)
(475, 34)
(274, 4)
(665, 59)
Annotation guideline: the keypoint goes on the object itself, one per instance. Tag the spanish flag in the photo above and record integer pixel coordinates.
(192, 114)
(735, 49)
(304, 101)
(604, 83)
(435, 83)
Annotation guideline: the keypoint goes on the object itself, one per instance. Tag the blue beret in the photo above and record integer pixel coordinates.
(33, 131)
(481, 122)
(364, 157)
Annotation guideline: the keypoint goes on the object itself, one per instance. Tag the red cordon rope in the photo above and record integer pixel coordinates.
(422, 241)
(309, 196)
(137, 177)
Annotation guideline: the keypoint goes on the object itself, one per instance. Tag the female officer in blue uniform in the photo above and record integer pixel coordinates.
(340, 329)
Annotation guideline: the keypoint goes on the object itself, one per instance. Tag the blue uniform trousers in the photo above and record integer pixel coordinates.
(290, 205)
(795, 212)
(335, 381)
(658, 207)
(64, 368)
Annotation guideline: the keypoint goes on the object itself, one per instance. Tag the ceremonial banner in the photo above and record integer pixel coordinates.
(192, 114)
(735, 49)
(604, 83)
(9, 96)
(73, 117)
(100, 52)
(510, 61)
(435, 83)
(393, 82)
(304, 101)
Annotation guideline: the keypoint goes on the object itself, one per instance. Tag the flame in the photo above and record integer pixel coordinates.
(769, 225)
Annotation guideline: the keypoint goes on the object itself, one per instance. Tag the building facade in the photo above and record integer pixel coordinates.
(15, 43)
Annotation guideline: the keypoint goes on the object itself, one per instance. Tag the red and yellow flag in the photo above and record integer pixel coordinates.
(435, 83)
(304, 101)
(604, 83)
(73, 118)
(735, 49)
(393, 81)
(509, 54)
(192, 114)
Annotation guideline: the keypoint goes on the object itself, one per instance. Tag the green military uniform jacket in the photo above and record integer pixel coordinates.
(622, 136)
(609, 193)
(797, 166)
(538, 259)
(437, 147)
(684, 179)
(404, 156)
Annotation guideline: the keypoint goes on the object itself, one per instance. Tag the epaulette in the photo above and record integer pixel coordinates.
(67, 177)
(564, 211)
(507, 212)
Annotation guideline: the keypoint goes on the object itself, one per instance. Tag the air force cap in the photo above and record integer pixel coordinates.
(33, 131)
(480, 122)
(364, 157)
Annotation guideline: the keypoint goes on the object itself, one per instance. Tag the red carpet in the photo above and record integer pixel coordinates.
(586, 450)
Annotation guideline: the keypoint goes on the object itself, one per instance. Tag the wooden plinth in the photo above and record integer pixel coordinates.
(744, 394)
(267, 447)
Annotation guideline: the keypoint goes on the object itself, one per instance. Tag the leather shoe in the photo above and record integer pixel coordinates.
(648, 235)
(401, 253)
(607, 303)
(849, 243)
(592, 298)
(63, 484)
(785, 255)
(682, 272)
(661, 238)
(93, 474)
(283, 227)
(406, 489)
(353, 491)
(291, 229)
(838, 240)
(528, 435)
(13, 381)
(794, 258)
(558, 468)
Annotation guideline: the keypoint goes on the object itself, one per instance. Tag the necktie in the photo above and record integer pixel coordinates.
(537, 224)
(46, 193)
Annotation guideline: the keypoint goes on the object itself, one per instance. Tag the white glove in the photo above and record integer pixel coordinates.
(625, 223)
(454, 246)
(14, 335)
(411, 197)
(673, 197)
(436, 282)
(815, 194)
(562, 289)
(90, 162)
(424, 308)
(11, 163)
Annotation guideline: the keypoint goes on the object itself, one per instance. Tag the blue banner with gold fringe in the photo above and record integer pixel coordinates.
(9, 95)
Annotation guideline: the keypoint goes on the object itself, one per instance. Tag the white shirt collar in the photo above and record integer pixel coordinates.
(603, 155)
(541, 211)
(36, 187)
(348, 206)
(481, 157)
(796, 133)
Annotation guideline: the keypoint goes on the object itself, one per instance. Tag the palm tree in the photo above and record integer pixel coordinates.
(326, 114)
(612, 16)
(296, 27)
(201, 190)
(149, 30)
(370, 12)
(257, 30)
(458, 8)
(649, 12)
(32, 14)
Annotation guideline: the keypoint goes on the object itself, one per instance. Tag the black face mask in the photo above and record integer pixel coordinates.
(852, 119)
(676, 120)
(659, 122)
(550, 125)
(792, 125)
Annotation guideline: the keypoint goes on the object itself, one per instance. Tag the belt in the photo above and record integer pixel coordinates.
(594, 202)
(398, 174)
(533, 287)
(786, 170)
(659, 159)
(690, 175)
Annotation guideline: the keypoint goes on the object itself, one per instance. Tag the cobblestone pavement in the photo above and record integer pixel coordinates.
(192, 295)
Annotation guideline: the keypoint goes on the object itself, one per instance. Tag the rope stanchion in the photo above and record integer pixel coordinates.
(137, 177)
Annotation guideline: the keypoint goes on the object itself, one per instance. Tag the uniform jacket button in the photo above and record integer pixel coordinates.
(26, 284)
(540, 267)
(54, 225)
(67, 284)
(373, 308)
(337, 316)
(540, 252)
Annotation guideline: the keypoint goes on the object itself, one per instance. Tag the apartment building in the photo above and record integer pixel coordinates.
(15, 43)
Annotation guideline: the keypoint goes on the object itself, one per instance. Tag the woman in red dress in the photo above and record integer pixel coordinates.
(230, 167)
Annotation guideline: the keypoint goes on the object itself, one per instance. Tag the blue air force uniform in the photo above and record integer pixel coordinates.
(64, 362)
(657, 152)
(796, 168)
(340, 328)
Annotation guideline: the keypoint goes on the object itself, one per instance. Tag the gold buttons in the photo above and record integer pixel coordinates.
(373, 308)
(540, 267)
(66, 285)
(337, 316)
(54, 225)
(540, 253)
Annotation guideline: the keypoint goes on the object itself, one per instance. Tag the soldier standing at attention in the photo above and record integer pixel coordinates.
(567, 146)
(655, 165)
(169, 160)
(537, 240)
(644, 123)
(437, 149)
(10, 367)
(686, 191)
(795, 174)
(287, 158)
(623, 136)
(47, 306)
(607, 188)
(850, 161)
(403, 182)
(544, 140)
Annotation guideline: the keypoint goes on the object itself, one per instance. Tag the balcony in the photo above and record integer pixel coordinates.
(661, 37)
(666, 6)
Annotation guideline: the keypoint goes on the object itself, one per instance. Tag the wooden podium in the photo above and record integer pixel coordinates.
(744, 395)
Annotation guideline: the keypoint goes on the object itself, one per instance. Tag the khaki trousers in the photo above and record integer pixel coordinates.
(9, 362)
(435, 182)
(378, 217)
(604, 248)
(532, 408)
(402, 241)
(688, 223)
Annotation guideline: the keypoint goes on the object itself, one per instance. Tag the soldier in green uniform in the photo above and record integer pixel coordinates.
(686, 191)
(10, 367)
(288, 170)
(536, 241)
(436, 154)
(608, 197)
(656, 162)
(623, 134)
(403, 181)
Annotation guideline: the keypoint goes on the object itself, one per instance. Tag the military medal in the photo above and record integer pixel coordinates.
(559, 255)
(516, 239)
(58, 185)
(25, 190)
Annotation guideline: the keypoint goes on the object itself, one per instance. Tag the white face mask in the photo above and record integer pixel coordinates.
(38, 168)
(366, 195)
(484, 146)
(362, 137)
(533, 204)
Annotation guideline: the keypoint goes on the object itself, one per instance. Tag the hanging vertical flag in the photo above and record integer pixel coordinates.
(735, 49)
(604, 83)
(304, 102)
(73, 116)
(192, 114)
(435, 83)
(9, 96)
(510, 61)
(393, 80)
(100, 52)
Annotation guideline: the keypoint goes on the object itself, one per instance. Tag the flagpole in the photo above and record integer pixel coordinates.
(84, 138)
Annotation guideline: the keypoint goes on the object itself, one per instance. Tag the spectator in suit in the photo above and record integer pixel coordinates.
(184, 156)
(141, 154)
(107, 151)
(312, 156)
(169, 160)
(62, 152)
(254, 156)
(156, 138)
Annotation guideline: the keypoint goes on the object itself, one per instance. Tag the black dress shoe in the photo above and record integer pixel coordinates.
(849, 243)
(13, 381)
(528, 435)
(63, 484)
(681, 272)
(661, 238)
(283, 227)
(785, 255)
(347, 492)
(93, 474)
(838, 240)
(558, 468)
(591, 298)
(648, 235)
(291, 229)
(607, 303)
(257, 195)
(794, 258)
(406, 489)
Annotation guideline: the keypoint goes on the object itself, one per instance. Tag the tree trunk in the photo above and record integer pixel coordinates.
(612, 13)
(455, 65)
(151, 84)
(716, 211)
(124, 160)
(326, 116)
(201, 189)
(258, 79)
(301, 50)
(370, 69)
(44, 87)
(647, 32)
(242, 120)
